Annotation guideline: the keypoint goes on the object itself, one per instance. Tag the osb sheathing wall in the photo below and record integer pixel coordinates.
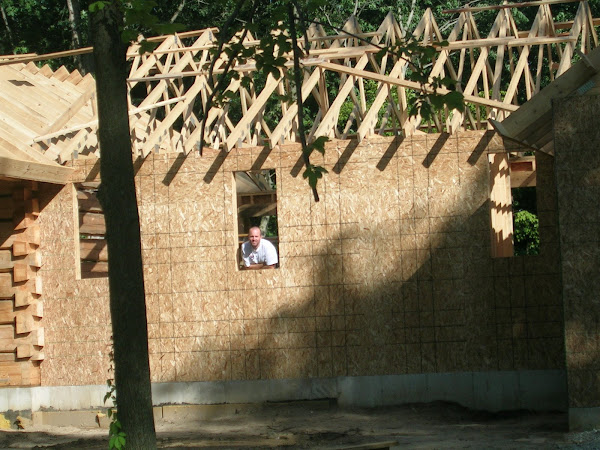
(576, 143)
(390, 273)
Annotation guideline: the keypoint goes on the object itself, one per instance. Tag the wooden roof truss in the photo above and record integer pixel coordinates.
(495, 72)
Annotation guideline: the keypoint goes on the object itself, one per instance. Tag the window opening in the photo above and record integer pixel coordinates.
(257, 207)
(513, 209)
(93, 251)
(524, 205)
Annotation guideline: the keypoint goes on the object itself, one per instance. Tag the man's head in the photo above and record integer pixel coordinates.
(254, 236)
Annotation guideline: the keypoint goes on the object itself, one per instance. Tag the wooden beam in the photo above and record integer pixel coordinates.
(520, 124)
(11, 167)
(500, 206)
(413, 85)
(330, 117)
(285, 124)
(242, 129)
(506, 6)
(522, 172)
(168, 121)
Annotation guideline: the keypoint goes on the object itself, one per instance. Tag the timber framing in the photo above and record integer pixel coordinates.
(169, 87)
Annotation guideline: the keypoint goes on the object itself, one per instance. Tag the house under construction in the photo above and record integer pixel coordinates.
(400, 285)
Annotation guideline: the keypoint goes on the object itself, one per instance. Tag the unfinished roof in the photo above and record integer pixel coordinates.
(532, 124)
(167, 85)
(30, 105)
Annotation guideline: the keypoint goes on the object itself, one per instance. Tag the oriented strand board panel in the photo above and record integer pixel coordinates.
(390, 273)
(578, 169)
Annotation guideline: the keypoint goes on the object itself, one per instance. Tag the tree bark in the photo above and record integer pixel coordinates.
(179, 9)
(118, 199)
(6, 24)
(74, 15)
(75, 23)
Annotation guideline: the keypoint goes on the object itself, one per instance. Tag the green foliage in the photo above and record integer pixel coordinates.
(525, 222)
(526, 232)
(314, 173)
(117, 437)
(429, 99)
(139, 20)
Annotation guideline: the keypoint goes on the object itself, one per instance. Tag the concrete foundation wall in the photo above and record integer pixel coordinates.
(535, 390)
(389, 274)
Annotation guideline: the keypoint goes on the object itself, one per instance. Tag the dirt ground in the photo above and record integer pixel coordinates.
(291, 426)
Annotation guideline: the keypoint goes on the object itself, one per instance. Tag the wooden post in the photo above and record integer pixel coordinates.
(501, 205)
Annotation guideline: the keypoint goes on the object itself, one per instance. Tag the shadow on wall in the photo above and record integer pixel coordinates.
(408, 287)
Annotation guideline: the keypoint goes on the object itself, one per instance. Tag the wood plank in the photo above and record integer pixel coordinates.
(22, 248)
(30, 170)
(25, 323)
(168, 121)
(6, 292)
(71, 111)
(92, 223)
(508, 41)
(94, 269)
(500, 206)
(19, 373)
(9, 341)
(88, 202)
(522, 172)
(7, 312)
(242, 129)
(413, 85)
(22, 272)
(93, 250)
(23, 297)
(520, 124)
(329, 120)
(285, 124)
(7, 262)
(8, 237)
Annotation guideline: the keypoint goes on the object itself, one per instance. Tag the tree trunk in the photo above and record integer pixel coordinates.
(264, 224)
(75, 24)
(179, 9)
(118, 199)
(8, 30)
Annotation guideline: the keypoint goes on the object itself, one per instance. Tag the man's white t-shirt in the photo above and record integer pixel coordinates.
(265, 253)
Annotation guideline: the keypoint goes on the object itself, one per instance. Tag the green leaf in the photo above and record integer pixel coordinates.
(455, 100)
(437, 101)
(275, 72)
(319, 144)
(147, 47)
(97, 6)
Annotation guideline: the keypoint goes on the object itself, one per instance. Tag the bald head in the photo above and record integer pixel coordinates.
(254, 236)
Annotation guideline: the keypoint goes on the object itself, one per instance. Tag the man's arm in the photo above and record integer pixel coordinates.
(258, 266)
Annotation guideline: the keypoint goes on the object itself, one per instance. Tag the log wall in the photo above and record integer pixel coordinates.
(390, 273)
(21, 303)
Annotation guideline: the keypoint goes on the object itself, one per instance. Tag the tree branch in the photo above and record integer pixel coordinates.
(298, 82)
(179, 9)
